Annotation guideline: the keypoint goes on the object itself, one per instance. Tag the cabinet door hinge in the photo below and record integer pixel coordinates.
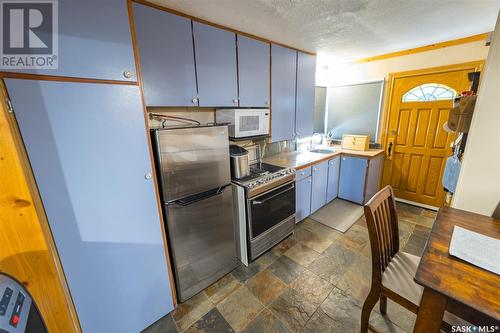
(9, 105)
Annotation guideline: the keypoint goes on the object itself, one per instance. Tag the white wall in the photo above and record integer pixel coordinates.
(478, 188)
(328, 74)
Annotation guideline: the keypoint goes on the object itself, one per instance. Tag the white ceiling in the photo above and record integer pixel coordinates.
(344, 30)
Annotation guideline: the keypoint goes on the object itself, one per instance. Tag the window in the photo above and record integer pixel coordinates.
(429, 92)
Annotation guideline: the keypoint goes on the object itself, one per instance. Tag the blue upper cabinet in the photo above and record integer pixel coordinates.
(283, 80)
(215, 52)
(352, 178)
(96, 187)
(306, 73)
(165, 44)
(333, 179)
(253, 72)
(319, 185)
(94, 41)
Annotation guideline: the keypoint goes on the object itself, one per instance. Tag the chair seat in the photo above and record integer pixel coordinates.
(399, 274)
(398, 277)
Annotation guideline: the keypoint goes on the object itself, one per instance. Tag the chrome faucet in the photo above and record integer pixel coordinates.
(322, 135)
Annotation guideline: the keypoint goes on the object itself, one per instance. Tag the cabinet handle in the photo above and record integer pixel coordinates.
(194, 100)
(309, 181)
(235, 101)
(266, 102)
(127, 74)
(148, 176)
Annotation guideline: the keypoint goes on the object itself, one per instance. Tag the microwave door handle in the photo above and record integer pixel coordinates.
(260, 202)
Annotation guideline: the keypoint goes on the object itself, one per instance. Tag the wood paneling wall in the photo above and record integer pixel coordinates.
(27, 251)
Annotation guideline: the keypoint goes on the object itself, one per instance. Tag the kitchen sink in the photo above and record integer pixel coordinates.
(323, 151)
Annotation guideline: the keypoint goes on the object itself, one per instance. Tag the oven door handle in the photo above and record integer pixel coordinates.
(260, 202)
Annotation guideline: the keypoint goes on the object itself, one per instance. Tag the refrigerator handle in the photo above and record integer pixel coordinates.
(199, 197)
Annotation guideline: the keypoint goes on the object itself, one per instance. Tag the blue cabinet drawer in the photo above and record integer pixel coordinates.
(303, 173)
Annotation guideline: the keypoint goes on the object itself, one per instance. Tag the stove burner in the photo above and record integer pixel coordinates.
(263, 173)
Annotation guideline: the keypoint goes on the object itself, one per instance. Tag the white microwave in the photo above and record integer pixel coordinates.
(244, 122)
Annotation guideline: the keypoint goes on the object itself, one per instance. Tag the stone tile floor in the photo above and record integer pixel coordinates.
(316, 280)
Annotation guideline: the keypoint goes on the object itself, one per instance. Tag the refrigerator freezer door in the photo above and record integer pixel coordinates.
(192, 160)
(201, 236)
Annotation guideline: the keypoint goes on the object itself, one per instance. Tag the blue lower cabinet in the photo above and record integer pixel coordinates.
(372, 180)
(319, 186)
(352, 178)
(303, 199)
(333, 179)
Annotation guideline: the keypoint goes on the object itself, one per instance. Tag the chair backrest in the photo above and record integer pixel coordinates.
(382, 222)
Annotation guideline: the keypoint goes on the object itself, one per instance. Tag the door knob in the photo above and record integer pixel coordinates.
(127, 74)
(148, 176)
(194, 100)
(390, 148)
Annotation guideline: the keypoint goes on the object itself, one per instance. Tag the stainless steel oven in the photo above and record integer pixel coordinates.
(270, 217)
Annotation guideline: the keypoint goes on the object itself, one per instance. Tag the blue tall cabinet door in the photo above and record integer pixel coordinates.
(215, 51)
(319, 186)
(87, 146)
(253, 72)
(352, 178)
(303, 199)
(94, 41)
(283, 79)
(333, 179)
(306, 74)
(166, 55)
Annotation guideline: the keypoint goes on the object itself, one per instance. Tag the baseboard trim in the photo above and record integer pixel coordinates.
(418, 204)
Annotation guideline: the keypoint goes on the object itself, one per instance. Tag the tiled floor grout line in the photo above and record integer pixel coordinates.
(413, 227)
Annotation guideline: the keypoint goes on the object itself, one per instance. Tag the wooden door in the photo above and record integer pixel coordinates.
(283, 83)
(166, 54)
(215, 53)
(415, 142)
(304, 114)
(87, 146)
(253, 72)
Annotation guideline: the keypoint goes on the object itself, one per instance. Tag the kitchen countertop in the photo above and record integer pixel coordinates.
(303, 159)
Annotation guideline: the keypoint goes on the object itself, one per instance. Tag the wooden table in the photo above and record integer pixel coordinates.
(451, 284)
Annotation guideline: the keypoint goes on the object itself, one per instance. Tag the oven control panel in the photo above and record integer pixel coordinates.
(15, 304)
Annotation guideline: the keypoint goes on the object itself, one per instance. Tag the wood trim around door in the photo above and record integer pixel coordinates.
(391, 77)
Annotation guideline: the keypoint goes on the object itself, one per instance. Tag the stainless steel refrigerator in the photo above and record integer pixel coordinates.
(194, 174)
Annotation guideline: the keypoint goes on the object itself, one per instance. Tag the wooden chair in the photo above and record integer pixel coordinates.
(393, 271)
